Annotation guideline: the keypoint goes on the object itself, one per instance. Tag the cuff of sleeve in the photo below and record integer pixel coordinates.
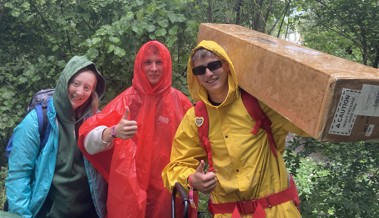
(101, 136)
(93, 142)
(189, 182)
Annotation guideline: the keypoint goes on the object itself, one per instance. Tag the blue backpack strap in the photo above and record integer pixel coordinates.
(40, 118)
(40, 105)
(8, 148)
(43, 124)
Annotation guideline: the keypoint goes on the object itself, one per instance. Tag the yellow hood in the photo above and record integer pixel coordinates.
(196, 90)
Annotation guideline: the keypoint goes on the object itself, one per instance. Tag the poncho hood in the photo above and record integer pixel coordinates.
(196, 90)
(140, 81)
(61, 100)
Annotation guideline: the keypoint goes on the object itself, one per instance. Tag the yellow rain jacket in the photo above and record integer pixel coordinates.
(245, 167)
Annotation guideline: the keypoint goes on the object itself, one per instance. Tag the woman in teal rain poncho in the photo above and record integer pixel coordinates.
(54, 181)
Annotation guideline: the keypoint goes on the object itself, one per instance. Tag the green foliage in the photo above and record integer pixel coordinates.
(38, 38)
(336, 180)
(353, 25)
(262, 15)
(114, 45)
(333, 44)
(3, 173)
(203, 206)
(41, 36)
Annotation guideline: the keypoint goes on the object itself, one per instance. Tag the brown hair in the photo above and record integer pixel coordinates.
(202, 53)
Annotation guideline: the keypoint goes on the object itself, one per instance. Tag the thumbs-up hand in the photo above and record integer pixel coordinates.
(203, 181)
(125, 128)
(126, 114)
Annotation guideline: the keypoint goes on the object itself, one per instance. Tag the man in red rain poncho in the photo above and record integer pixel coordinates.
(129, 141)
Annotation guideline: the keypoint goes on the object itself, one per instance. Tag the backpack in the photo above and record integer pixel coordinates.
(252, 106)
(39, 103)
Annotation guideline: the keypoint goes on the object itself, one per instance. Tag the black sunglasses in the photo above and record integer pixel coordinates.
(200, 70)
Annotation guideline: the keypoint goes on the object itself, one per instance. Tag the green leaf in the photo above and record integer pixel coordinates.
(139, 3)
(172, 17)
(110, 49)
(114, 39)
(7, 94)
(96, 40)
(15, 13)
(181, 18)
(119, 52)
(151, 28)
(25, 6)
(135, 29)
(55, 48)
(92, 53)
(129, 15)
(163, 23)
(173, 31)
(161, 32)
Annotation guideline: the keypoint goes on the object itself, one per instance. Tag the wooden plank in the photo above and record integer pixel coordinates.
(330, 98)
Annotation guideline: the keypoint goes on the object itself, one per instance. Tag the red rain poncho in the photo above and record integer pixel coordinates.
(133, 167)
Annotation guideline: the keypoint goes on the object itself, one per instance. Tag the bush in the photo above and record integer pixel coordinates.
(335, 180)
(3, 173)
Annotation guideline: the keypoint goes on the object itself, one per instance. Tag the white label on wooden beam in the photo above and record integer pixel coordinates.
(344, 118)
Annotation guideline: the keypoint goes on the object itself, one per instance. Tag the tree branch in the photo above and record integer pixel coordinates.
(42, 17)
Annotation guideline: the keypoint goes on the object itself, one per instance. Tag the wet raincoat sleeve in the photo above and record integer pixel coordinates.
(186, 153)
(109, 116)
(21, 165)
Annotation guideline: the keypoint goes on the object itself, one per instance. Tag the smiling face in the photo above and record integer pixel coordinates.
(81, 87)
(152, 66)
(216, 81)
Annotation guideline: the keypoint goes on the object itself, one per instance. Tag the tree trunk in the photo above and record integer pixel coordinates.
(375, 63)
(268, 12)
(237, 9)
(284, 16)
(209, 10)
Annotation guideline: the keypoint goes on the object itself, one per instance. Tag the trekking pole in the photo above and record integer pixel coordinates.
(183, 195)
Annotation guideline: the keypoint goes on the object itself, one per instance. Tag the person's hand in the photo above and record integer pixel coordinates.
(126, 128)
(203, 181)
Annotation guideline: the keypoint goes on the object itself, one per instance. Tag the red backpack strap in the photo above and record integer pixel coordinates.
(261, 120)
(202, 123)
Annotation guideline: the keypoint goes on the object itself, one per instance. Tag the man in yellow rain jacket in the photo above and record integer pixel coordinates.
(249, 179)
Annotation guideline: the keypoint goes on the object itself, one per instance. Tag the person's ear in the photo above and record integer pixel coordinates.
(225, 66)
